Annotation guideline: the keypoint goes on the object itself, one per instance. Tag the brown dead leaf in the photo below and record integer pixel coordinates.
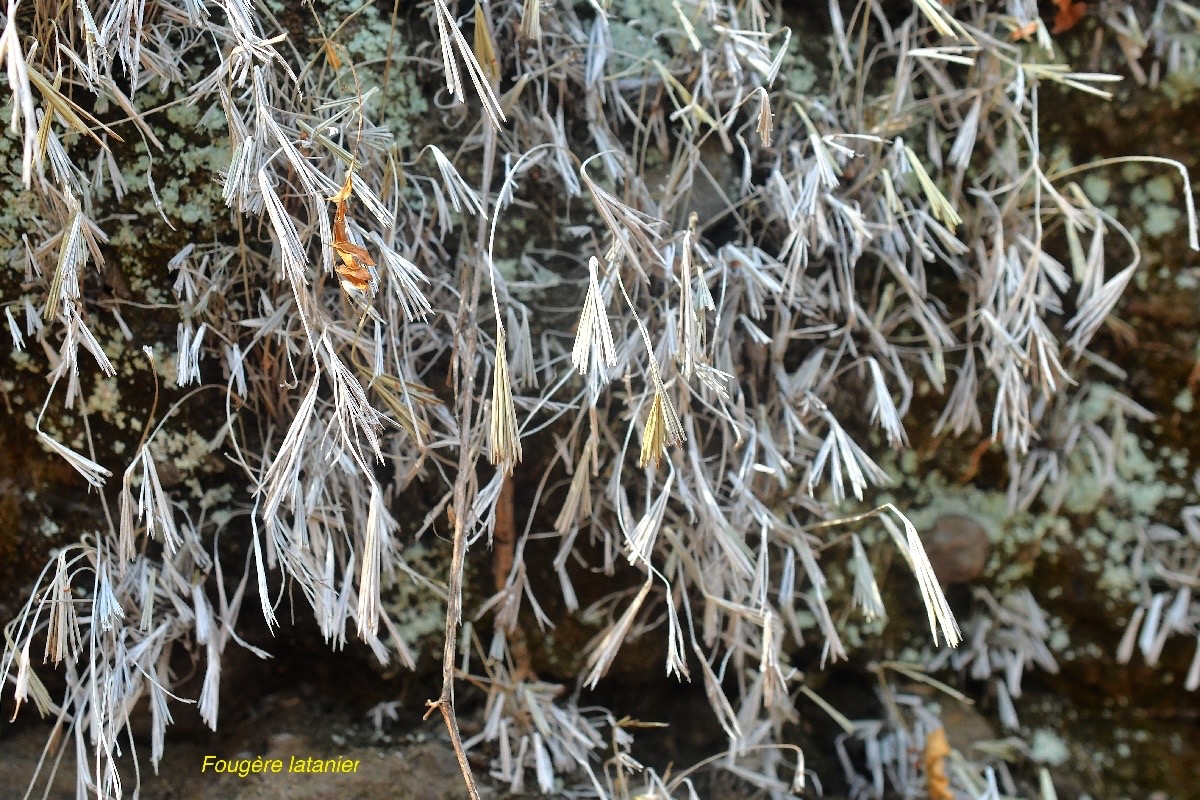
(1024, 32)
(355, 260)
(331, 56)
(1067, 15)
(936, 750)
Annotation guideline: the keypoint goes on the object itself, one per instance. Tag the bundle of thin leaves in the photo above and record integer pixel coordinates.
(702, 345)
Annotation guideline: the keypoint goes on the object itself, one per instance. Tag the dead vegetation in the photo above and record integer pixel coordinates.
(715, 398)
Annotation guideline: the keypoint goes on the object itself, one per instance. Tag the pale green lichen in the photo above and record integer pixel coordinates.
(20, 211)
(1161, 219)
(641, 34)
(105, 398)
(1098, 188)
(1133, 172)
(417, 611)
(214, 498)
(1161, 188)
(1049, 748)
(22, 361)
(186, 451)
(364, 45)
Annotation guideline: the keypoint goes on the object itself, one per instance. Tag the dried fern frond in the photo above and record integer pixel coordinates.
(504, 438)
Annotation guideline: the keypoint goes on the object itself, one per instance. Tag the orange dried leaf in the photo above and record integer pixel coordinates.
(356, 276)
(331, 55)
(355, 260)
(1067, 15)
(349, 251)
(936, 750)
(343, 194)
(1025, 31)
(354, 265)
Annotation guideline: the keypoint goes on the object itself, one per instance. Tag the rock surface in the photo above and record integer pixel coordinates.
(958, 548)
